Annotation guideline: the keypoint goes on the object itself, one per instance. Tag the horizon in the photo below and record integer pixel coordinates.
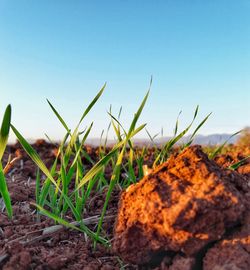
(217, 138)
(197, 52)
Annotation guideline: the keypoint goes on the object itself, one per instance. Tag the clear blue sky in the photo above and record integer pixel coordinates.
(197, 51)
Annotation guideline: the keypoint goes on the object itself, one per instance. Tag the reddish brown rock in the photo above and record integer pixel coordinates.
(183, 205)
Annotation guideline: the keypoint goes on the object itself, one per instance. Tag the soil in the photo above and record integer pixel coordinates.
(23, 245)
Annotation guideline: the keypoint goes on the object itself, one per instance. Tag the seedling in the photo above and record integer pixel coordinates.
(4, 134)
(68, 183)
(167, 147)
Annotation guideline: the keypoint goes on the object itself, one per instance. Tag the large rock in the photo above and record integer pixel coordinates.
(183, 205)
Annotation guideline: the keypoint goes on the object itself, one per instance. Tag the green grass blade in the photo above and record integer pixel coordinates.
(98, 166)
(58, 116)
(168, 145)
(92, 104)
(138, 113)
(110, 189)
(4, 192)
(117, 129)
(47, 183)
(49, 139)
(77, 155)
(88, 157)
(101, 163)
(152, 139)
(33, 155)
(71, 144)
(200, 125)
(219, 149)
(114, 179)
(239, 163)
(137, 130)
(196, 130)
(120, 112)
(116, 172)
(196, 111)
(4, 131)
(177, 124)
(71, 226)
(64, 179)
(106, 137)
(86, 134)
(38, 182)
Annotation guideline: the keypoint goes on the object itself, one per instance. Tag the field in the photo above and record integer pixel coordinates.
(68, 205)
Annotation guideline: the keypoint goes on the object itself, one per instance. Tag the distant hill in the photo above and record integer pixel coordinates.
(212, 139)
(206, 139)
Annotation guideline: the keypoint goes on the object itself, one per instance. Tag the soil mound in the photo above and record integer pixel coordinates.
(179, 209)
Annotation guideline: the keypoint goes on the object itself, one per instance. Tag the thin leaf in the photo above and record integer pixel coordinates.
(4, 131)
(177, 124)
(196, 130)
(92, 104)
(4, 192)
(138, 113)
(33, 155)
(219, 149)
(238, 164)
(69, 225)
(58, 116)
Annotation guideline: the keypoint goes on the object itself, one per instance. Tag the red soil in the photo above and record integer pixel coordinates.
(24, 246)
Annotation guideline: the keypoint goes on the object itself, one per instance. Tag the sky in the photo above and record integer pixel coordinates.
(198, 53)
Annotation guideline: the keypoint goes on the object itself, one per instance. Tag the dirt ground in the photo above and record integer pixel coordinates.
(23, 244)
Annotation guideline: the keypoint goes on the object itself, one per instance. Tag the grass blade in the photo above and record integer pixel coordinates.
(219, 149)
(138, 113)
(58, 116)
(91, 104)
(239, 163)
(4, 131)
(196, 130)
(98, 166)
(177, 124)
(4, 192)
(69, 225)
(33, 155)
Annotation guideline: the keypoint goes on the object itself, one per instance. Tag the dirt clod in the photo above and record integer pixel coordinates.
(185, 204)
(21, 261)
(182, 263)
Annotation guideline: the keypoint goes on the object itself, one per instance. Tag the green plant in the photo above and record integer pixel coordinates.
(4, 134)
(167, 147)
(218, 150)
(54, 195)
(124, 141)
(69, 183)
